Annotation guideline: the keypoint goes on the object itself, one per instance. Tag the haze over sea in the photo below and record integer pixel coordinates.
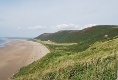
(3, 41)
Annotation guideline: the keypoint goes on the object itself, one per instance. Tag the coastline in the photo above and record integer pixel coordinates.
(17, 54)
(4, 41)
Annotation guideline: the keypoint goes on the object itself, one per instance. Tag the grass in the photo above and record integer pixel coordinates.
(82, 39)
(98, 62)
(76, 55)
(94, 33)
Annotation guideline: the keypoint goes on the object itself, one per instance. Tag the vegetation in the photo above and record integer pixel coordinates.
(84, 38)
(87, 59)
(80, 36)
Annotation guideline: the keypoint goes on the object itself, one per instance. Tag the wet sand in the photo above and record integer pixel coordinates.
(18, 54)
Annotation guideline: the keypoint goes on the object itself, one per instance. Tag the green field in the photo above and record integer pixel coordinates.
(89, 55)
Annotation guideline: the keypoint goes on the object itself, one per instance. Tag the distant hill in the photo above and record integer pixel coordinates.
(96, 32)
(84, 38)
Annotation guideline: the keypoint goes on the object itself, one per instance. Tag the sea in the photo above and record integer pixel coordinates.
(4, 41)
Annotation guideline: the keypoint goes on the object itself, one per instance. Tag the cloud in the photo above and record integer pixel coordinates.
(71, 26)
(89, 25)
(37, 28)
(66, 27)
(57, 27)
(32, 28)
(86, 26)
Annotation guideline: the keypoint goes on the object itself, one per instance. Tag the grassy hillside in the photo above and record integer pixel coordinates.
(77, 36)
(75, 61)
(84, 38)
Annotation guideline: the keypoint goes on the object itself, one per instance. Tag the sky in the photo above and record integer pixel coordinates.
(30, 18)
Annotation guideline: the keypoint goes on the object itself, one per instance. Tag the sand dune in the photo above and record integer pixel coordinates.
(18, 54)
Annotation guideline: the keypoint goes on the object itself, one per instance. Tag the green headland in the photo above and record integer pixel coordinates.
(88, 54)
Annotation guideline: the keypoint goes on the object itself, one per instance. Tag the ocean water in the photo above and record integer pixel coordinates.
(3, 41)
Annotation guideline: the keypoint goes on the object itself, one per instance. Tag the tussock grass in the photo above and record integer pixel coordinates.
(98, 62)
(87, 54)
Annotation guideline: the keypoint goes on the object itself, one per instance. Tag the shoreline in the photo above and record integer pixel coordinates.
(17, 54)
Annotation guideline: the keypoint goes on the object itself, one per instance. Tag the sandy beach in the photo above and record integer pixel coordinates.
(18, 54)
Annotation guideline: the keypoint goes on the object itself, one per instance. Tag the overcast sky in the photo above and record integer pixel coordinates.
(30, 18)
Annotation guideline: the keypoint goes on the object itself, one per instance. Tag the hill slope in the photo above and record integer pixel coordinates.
(93, 58)
(67, 36)
(84, 38)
